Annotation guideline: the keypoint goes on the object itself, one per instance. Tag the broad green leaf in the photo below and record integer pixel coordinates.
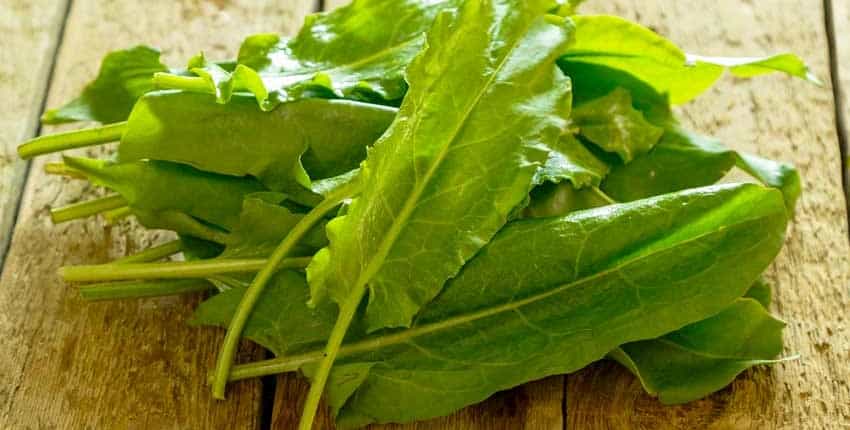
(613, 124)
(545, 296)
(679, 161)
(263, 223)
(571, 160)
(158, 186)
(238, 139)
(485, 104)
(551, 199)
(282, 307)
(701, 358)
(323, 61)
(124, 76)
(760, 292)
(621, 44)
(775, 174)
(748, 67)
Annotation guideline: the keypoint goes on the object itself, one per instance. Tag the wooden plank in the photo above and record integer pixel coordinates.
(782, 119)
(69, 364)
(537, 405)
(840, 36)
(30, 34)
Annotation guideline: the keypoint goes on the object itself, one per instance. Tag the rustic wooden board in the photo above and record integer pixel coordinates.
(30, 34)
(783, 119)
(841, 40)
(69, 364)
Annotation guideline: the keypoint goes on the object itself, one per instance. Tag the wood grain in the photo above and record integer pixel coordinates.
(783, 119)
(841, 40)
(30, 34)
(69, 364)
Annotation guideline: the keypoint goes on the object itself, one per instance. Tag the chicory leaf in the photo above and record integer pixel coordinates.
(237, 139)
(408, 231)
(156, 186)
(621, 44)
(124, 76)
(613, 124)
(703, 357)
(545, 296)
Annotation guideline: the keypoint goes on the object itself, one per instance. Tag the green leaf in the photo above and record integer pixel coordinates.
(775, 174)
(263, 223)
(748, 67)
(613, 124)
(551, 199)
(124, 76)
(238, 139)
(679, 161)
(281, 307)
(492, 65)
(321, 61)
(621, 44)
(545, 296)
(571, 160)
(704, 357)
(760, 292)
(157, 186)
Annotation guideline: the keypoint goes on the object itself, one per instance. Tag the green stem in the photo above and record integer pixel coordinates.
(598, 191)
(172, 270)
(63, 169)
(252, 294)
(139, 289)
(86, 209)
(114, 215)
(185, 83)
(152, 254)
(320, 378)
(72, 139)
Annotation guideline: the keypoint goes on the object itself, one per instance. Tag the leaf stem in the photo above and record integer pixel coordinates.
(320, 378)
(72, 139)
(139, 289)
(114, 215)
(85, 209)
(172, 270)
(252, 294)
(185, 83)
(63, 169)
(152, 254)
(598, 191)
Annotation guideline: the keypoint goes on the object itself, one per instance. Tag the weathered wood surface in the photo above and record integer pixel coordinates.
(841, 40)
(30, 33)
(68, 364)
(783, 119)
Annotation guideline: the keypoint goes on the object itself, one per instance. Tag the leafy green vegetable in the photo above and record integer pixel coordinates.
(124, 76)
(237, 139)
(545, 296)
(620, 44)
(489, 63)
(480, 218)
(157, 186)
(704, 357)
(615, 126)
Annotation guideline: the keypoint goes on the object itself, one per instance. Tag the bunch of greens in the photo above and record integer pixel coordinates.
(417, 203)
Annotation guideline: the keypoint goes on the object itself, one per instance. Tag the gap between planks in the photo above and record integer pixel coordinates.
(34, 129)
(829, 15)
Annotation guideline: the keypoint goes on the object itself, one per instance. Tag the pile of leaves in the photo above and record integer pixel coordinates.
(417, 204)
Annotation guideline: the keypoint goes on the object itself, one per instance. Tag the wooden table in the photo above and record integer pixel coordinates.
(67, 364)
